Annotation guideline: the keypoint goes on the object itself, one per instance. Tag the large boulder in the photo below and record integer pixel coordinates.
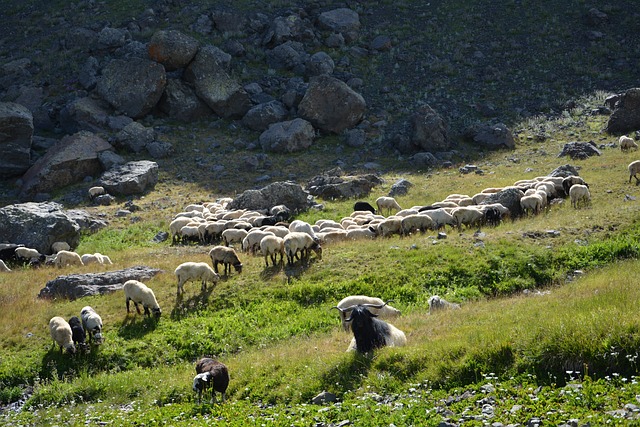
(76, 286)
(85, 114)
(342, 20)
(130, 178)
(333, 185)
(288, 56)
(509, 198)
(579, 150)
(494, 137)
(565, 171)
(331, 105)
(428, 131)
(287, 137)
(626, 115)
(16, 130)
(38, 226)
(172, 49)
(133, 86)
(212, 83)
(292, 195)
(180, 102)
(262, 115)
(71, 160)
(135, 137)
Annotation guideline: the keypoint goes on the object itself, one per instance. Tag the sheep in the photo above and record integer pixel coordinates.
(361, 233)
(193, 271)
(416, 222)
(303, 227)
(62, 335)
(627, 143)
(572, 180)
(579, 195)
(233, 235)
(278, 230)
(227, 257)
(437, 303)
(97, 258)
(92, 324)
(140, 293)
(271, 246)
(353, 300)
(332, 236)
(251, 242)
(27, 254)
(3, 266)
(531, 204)
(634, 169)
(467, 215)
(297, 245)
(492, 216)
(370, 333)
(175, 226)
(67, 258)
(211, 231)
(211, 374)
(60, 246)
(77, 331)
(96, 191)
(440, 217)
(387, 203)
(392, 225)
(190, 233)
(363, 206)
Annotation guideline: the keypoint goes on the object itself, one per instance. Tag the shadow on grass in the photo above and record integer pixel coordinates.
(271, 271)
(349, 374)
(295, 270)
(185, 306)
(136, 326)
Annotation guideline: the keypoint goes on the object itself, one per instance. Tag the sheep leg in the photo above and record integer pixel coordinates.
(215, 266)
(128, 299)
(204, 285)
(135, 304)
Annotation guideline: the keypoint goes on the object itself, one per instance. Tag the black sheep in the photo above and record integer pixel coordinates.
(363, 206)
(370, 333)
(213, 375)
(77, 331)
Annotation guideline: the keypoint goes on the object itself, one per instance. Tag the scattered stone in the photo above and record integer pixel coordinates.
(333, 185)
(261, 116)
(494, 137)
(424, 160)
(130, 178)
(162, 236)
(565, 171)
(134, 137)
(323, 398)
(287, 137)
(319, 63)
(179, 101)
(579, 150)
(468, 169)
(86, 113)
(400, 188)
(355, 137)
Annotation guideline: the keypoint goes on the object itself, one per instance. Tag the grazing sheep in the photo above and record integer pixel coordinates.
(353, 300)
(67, 258)
(272, 246)
(96, 191)
(416, 222)
(227, 257)
(251, 242)
(297, 245)
(531, 204)
(363, 206)
(213, 375)
(140, 293)
(359, 233)
(62, 335)
(3, 266)
(467, 215)
(26, 255)
(92, 324)
(233, 235)
(387, 203)
(492, 216)
(436, 303)
(190, 233)
(627, 143)
(96, 258)
(370, 333)
(195, 271)
(634, 169)
(77, 331)
(302, 227)
(440, 217)
(175, 226)
(60, 246)
(579, 195)
(572, 180)
(332, 236)
(390, 226)
(278, 230)
(211, 231)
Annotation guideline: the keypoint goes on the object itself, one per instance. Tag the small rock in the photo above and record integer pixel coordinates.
(324, 397)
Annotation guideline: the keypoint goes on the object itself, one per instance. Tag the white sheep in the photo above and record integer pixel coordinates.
(437, 303)
(233, 235)
(96, 191)
(92, 324)
(28, 254)
(3, 266)
(332, 236)
(416, 222)
(634, 169)
(96, 258)
(390, 226)
(60, 331)
(579, 195)
(531, 204)
(175, 226)
(251, 242)
(359, 233)
(195, 271)
(298, 245)
(60, 246)
(225, 256)
(190, 233)
(627, 143)
(386, 310)
(140, 293)
(470, 216)
(211, 231)
(272, 246)
(67, 258)
(440, 217)
(388, 204)
(302, 227)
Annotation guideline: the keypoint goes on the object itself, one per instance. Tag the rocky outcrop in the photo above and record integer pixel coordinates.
(71, 160)
(509, 198)
(38, 226)
(428, 130)
(292, 195)
(180, 102)
(134, 137)
(335, 185)
(130, 178)
(287, 137)
(262, 115)
(493, 137)
(16, 130)
(76, 286)
(626, 115)
(85, 114)
(579, 150)
(172, 49)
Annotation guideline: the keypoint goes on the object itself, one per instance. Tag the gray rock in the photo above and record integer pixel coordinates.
(355, 137)
(424, 160)
(579, 150)
(400, 188)
(319, 63)
(85, 220)
(334, 40)
(134, 137)
(88, 73)
(130, 178)
(380, 43)
(288, 28)
(16, 130)
(287, 137)
(38, 226)
(261, 116)
(288, 194)
(160, 149)
(179, 101)
(133, 86)
(68, 162)
(330, 105)
(324, 397)
(564, 171)
(76, 286)
(112, 38)
(288, 56)
(85, 114)
(626, 115)
(340, 20)
(109, 159)
(332, 185)
(222, 93)
(428, 131)
(172, 49)
(494, 137)
(509, 198)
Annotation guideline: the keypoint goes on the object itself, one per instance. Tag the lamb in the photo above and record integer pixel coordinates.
(67, 258)
(627, 143)
(233, 235)
(297, 245)
(140, 293)
(60, 246)
(634, 169)
(572, 180)
(370, 333)
(3, 266)
(213, 375)
(387, 203)
(96, 191)
(195, 271)
(416, 222)
(77, 331)
(61, 333)
(225, 256)
(271, 246)
(92, 324)
(436, 303)
(579, 195)
(363, 206)
(353, 300)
